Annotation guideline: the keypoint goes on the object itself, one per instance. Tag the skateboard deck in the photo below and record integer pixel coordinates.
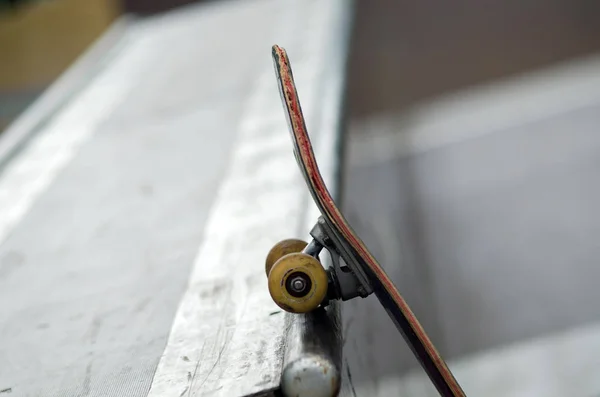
(351, 247)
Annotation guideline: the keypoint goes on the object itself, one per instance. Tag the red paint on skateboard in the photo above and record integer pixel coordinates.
(385, 290)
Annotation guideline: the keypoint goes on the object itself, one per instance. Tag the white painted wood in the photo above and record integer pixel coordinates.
(228, 337)
(103, 208)
(27, 176)
(76, 77)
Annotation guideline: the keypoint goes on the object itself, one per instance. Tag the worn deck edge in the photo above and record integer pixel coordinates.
(313, 357)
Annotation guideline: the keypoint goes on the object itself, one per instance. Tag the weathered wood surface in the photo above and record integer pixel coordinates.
(262, 199)
(135, 222)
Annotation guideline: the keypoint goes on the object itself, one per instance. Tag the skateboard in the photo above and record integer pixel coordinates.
(298, 282)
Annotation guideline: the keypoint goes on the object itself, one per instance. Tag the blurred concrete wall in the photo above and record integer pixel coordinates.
(491, 237)
(406, 51)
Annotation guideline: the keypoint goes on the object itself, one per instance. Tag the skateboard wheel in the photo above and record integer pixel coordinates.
(282, 248)
(298, 283)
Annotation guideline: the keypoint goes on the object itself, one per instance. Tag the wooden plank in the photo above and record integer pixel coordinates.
(234, 339)
(111, 184)
(31, 121)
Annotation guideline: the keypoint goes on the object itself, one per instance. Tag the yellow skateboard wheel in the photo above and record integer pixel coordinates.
(282, 248)
(298, 283)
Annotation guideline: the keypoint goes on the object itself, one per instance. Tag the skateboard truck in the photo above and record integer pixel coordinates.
(347, 279)
(299, 283)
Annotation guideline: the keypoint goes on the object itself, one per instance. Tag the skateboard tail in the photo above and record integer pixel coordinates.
(436, 369)
(280, 58)
(296, 122)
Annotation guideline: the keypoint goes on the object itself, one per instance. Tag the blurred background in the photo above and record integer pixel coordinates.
(402, 52)
(39, 40)
(470, 168)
